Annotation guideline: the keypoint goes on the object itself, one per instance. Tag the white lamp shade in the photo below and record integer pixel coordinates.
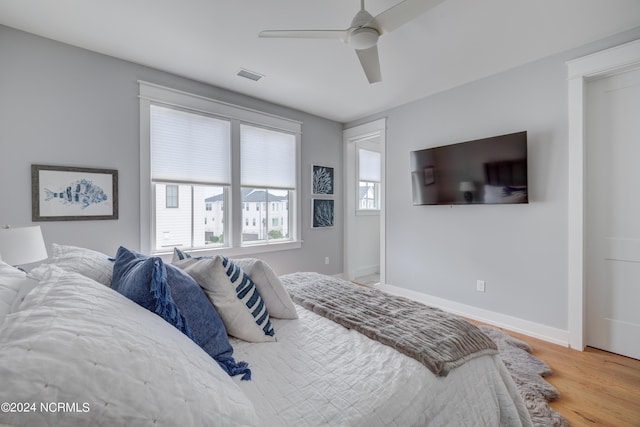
(22, 245)
(467, 186)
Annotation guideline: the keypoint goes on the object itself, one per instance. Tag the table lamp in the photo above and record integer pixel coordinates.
(467, 187)
(22, 245)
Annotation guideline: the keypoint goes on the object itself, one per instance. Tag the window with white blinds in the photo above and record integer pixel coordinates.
(268, 180)
(203, 191)
(369, 165)
(189, 147)
(268, 158)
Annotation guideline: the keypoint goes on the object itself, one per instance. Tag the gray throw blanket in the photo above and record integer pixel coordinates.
(439, 340)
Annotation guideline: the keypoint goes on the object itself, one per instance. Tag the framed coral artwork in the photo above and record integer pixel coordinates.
(322, 182)
(61, 193)
(323, 213)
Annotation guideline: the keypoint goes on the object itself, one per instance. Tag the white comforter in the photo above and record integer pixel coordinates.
(319, 373)
(77, 353)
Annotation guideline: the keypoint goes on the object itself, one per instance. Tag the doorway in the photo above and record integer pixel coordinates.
(582, 72)
(612, 213)
(364, 240)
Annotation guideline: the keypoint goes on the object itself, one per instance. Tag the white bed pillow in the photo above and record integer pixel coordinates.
(273, 293)
(76, 341)
(12, 292)
(27, 284)
(7, 270)
(92, 264)
(11, 280)
(234, 296)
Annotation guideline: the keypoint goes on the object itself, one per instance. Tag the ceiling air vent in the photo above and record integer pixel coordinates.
(249, 75)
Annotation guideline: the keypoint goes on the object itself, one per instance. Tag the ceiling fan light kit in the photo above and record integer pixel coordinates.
(363, 38)
(364, 32)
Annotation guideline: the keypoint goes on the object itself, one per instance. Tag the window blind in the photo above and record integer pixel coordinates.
(369, 165)
(189, 147)
(267, 158)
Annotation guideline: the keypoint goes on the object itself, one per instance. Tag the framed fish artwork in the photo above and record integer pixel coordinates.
(61, 193)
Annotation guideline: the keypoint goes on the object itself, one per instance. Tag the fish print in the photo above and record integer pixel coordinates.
(81, 192)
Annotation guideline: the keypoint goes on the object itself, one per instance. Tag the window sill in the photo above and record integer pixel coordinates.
(242, 251)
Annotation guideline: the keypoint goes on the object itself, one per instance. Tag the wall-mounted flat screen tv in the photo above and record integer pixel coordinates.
(484, 171)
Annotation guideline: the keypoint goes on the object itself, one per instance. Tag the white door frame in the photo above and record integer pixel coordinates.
(580, 71)
(349, 136)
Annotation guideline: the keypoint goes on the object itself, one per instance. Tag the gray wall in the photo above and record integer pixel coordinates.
(519, 250)
(61, 105)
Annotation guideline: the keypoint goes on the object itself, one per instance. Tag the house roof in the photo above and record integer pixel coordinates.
(250, 195)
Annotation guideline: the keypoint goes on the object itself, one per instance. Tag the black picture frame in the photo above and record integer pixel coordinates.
(323, 213)
(322, 180)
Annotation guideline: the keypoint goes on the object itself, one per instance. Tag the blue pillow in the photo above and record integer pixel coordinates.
(204, 325)
(144, 281)
(179, 255)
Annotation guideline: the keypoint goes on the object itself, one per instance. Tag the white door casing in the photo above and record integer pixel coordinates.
(377, 130)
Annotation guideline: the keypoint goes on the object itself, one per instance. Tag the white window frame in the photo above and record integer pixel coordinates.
(177, 196)
(149, 94)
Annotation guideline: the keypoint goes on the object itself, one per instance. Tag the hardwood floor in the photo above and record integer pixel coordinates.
(369, 280)
(596, 388)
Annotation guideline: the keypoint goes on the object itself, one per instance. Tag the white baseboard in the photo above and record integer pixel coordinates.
(526, 327)
(367, 271)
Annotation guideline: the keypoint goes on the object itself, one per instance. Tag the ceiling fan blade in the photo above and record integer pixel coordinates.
(370, 63)
(402, 13)
(306, 34)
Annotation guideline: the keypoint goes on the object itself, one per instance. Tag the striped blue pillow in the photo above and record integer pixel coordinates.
(248, 293)
(179, 255)
(234, 296)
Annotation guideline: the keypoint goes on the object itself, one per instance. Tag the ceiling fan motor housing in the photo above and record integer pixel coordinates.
(363, 38)
(361, 35)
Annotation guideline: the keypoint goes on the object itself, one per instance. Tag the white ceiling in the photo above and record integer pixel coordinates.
(456, 42)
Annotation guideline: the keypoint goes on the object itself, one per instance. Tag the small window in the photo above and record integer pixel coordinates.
(369, 166)
(369, 195)
(172, 197)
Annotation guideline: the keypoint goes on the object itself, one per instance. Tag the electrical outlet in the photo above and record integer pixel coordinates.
(480, 286)
(326, 260)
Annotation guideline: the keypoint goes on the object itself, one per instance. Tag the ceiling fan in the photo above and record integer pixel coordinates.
(364, 31)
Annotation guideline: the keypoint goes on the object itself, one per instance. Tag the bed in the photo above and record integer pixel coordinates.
(74, 351)
(505, 181)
